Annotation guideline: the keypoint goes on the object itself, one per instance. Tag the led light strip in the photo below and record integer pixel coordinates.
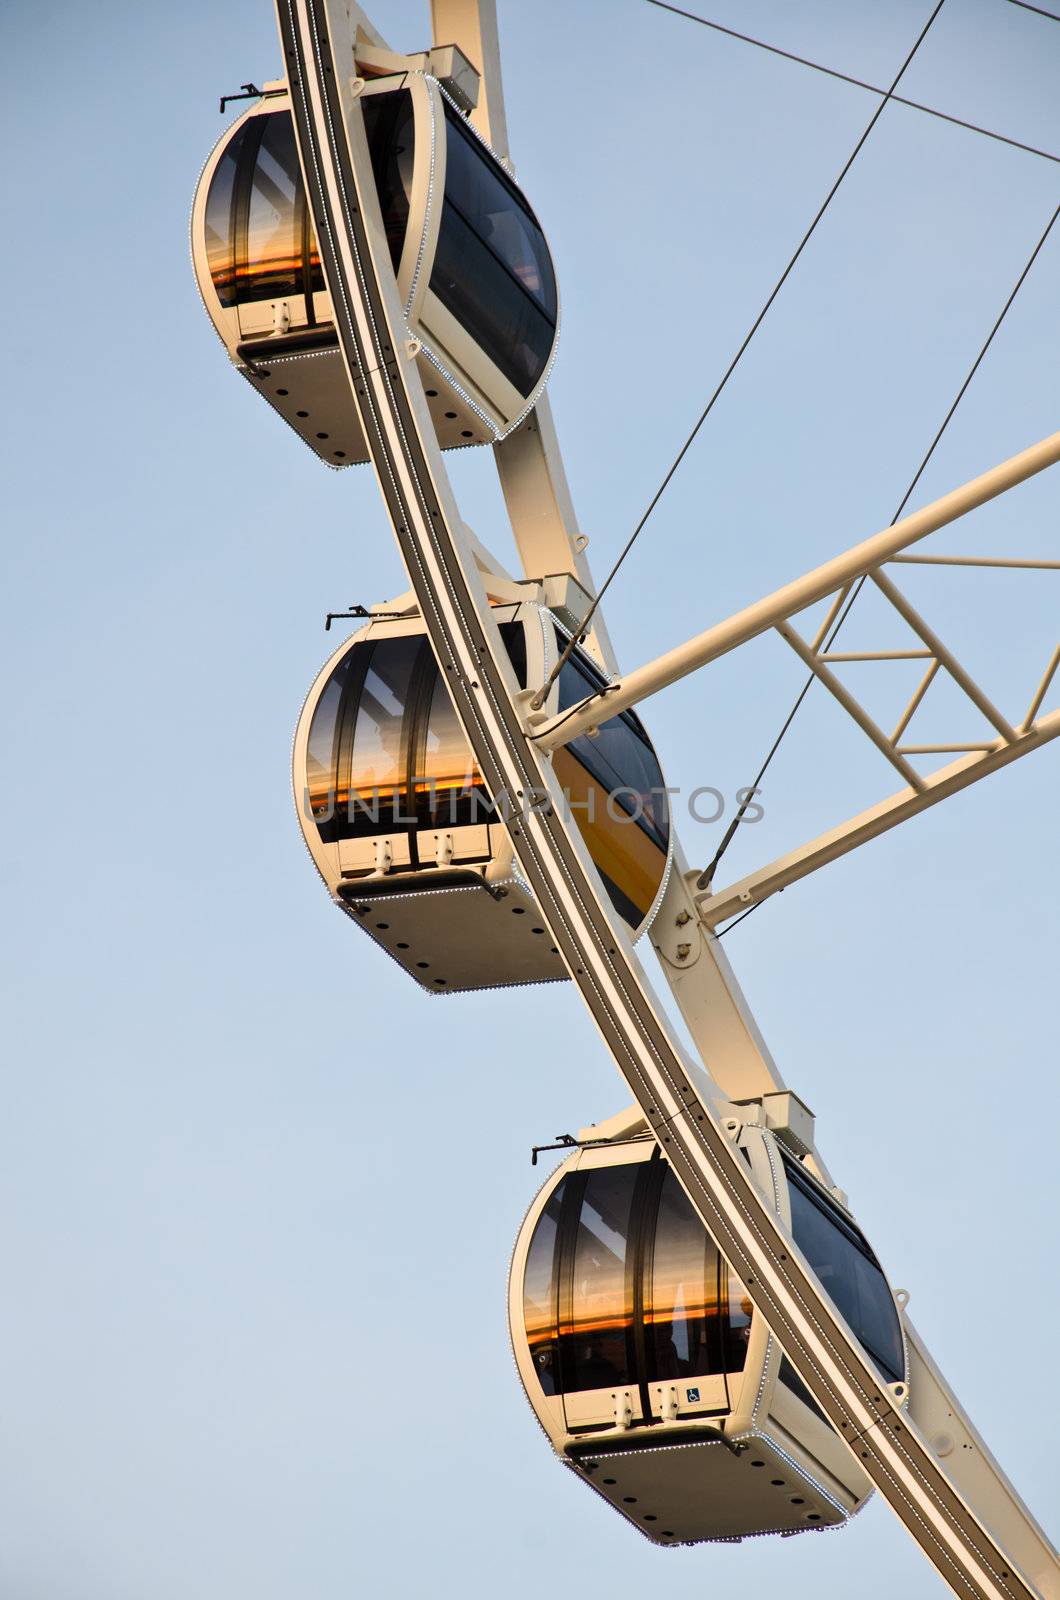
(430, 199)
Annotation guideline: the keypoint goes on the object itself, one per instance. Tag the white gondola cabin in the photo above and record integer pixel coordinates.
(471, 262)
(404, 834)
(649, 1370)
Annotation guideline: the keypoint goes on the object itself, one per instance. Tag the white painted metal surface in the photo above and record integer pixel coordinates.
(973, 1529)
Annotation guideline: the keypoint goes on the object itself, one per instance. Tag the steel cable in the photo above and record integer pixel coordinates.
(1041, 11)
(859, 83)
(539, 698)
(707, 874)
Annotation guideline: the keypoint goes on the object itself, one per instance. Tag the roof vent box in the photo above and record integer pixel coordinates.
(446, 62)
(788, 1117)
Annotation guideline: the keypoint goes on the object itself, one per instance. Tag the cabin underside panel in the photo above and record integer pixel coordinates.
(692, 1492)
(461, 935)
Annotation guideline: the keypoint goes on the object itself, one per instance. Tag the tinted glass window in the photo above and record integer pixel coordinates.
(449, 791)
(322, 753)
(259, 235)
(513, 637)
(688, 1328)
(357, 757)
(848, 1271)
(388, 122)
(386, 753)
(492, 268)
(616, 1251)
(490, 203)
(358, 749)
(684, 1339)
(791, 1380)
(379, 757)
(540, 1290)
(260, 241)
(271, 263)
(739, 1311)
(220, 220)
(620, 757)
(597, 1345)
(614, 787)
(448, 784)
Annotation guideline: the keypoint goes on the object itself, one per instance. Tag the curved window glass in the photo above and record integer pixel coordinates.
(492, 268)
(687, 1323)
(260, 242)
(447, 782)
(271, 263)
(848, 1270)
(379, 753)
(624, 1285)
(620, 755)
(322, 756)
(388, 122)
(541, 1291)
(596, 1330)
(259, 234)
(357, 754)
(220, 219)
(386, 753)
(614, 785)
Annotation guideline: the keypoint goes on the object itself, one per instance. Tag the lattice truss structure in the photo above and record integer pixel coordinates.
(975, 759)
(836, 584)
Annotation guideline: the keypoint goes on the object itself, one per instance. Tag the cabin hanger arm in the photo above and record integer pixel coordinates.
(472, 26)
(939, 1415)
(529, 460)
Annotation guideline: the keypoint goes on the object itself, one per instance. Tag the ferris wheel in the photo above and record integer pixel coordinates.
(699, 1321)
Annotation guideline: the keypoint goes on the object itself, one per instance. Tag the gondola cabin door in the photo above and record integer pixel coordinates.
(632, 1316)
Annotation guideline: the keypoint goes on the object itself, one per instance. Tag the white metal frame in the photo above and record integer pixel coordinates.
(970, 1524)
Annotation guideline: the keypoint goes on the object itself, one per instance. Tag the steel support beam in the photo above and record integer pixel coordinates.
(716, 908)
(676, 1095)
(782, 604)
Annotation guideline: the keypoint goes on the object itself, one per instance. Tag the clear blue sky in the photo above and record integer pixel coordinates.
(257, 1194)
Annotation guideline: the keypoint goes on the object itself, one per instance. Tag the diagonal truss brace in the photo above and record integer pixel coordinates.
(716, 908)
(977, 760)
(835, 581)
(783, 604)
